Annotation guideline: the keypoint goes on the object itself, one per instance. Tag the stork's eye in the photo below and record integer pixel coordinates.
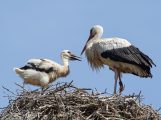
(69, 52)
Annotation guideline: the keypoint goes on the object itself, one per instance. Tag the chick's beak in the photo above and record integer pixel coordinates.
(74, 57)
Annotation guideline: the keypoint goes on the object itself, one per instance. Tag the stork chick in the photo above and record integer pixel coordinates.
(119, 54)
(41, 72)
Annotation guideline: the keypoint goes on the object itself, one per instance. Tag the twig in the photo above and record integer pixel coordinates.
(159, 109)
(8, 90)
(21, 87)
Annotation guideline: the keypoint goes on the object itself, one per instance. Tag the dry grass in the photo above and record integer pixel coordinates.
(67, 102)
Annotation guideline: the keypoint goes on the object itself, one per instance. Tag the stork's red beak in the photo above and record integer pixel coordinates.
(91, 36)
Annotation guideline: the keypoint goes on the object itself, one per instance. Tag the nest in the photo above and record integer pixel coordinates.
(67, 102)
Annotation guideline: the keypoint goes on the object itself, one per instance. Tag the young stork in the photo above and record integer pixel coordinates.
(119, 54)
(41, 72)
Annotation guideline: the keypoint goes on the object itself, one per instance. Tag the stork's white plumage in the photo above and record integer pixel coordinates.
(119, 54)
(41, 72)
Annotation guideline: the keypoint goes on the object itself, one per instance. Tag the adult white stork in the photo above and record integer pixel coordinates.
(119, 54)
(41, 72)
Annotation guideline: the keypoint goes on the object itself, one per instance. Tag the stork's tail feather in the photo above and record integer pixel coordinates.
(143, 74)
(18, 70)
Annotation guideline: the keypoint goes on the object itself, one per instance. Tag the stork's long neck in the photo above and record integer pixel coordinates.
(65, 68)
(65, 62)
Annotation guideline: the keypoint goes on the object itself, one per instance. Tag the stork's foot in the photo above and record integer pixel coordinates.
(122, 87)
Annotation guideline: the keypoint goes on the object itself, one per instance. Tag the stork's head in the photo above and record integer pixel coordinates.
(95, 33)
(66, 54)
(96, 30)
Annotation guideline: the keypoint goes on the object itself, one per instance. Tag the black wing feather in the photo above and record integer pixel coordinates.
(34, 67)
(130, 55)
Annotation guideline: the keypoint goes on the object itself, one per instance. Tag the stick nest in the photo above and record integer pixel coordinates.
(67, 102)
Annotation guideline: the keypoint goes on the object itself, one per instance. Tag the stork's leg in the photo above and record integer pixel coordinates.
(116, 78)
(120, 83)
(24, 86)
(42, 90)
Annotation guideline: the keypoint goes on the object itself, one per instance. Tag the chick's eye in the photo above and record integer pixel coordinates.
(69, 52)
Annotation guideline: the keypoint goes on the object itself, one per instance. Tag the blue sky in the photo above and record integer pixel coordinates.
(42, 29)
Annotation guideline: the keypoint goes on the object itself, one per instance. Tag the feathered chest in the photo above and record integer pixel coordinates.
(93, 56)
